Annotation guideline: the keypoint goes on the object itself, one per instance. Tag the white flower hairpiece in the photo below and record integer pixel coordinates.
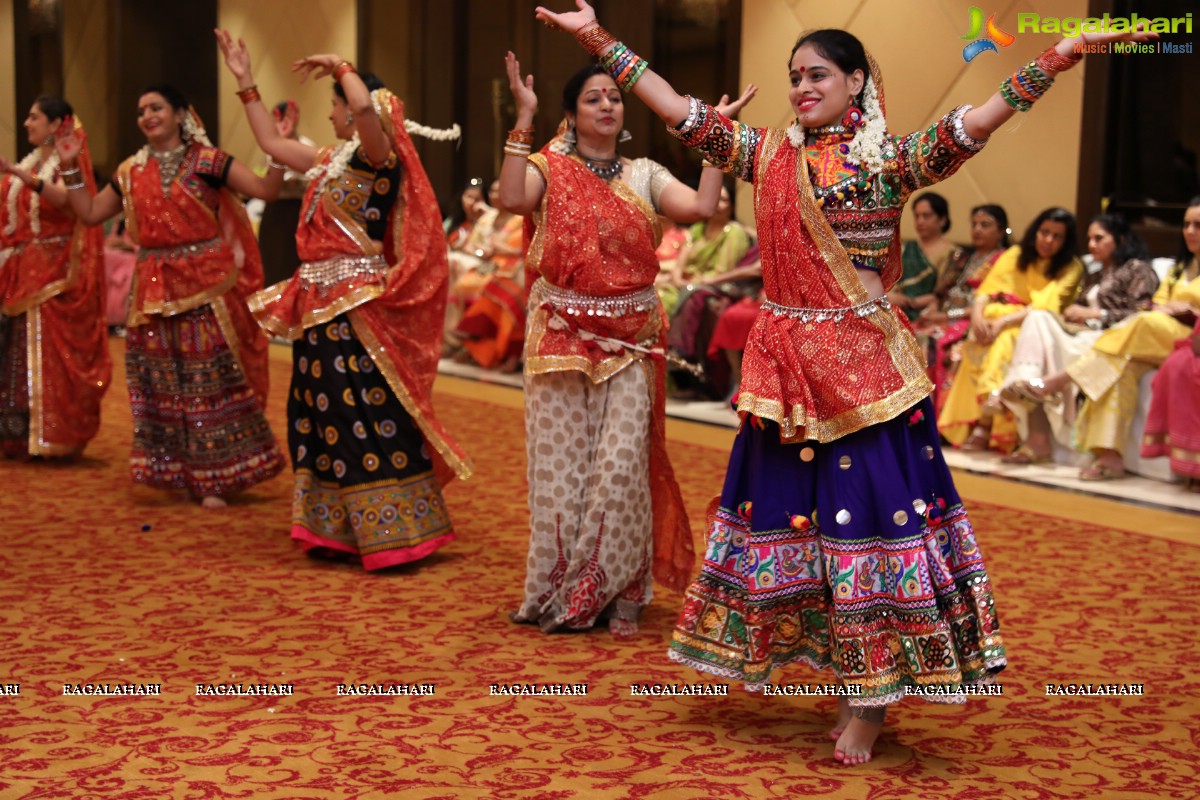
(192, 132)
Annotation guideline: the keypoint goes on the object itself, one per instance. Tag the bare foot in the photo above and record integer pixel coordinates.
(622, 628)
(854, 745)
(212, 502)
(843, 719)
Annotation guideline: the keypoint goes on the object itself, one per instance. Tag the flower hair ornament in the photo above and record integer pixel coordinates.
(193, 128)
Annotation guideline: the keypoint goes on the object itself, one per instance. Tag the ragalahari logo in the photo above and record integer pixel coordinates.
(994, 37)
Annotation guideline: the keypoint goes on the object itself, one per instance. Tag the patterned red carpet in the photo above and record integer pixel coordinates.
(104, 582)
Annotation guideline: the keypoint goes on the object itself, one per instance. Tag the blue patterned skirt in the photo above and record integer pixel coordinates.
(855, 554)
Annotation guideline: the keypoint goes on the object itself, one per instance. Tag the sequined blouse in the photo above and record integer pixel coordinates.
(366, 193)
(863, 209)
(202, 173)
(825, 358)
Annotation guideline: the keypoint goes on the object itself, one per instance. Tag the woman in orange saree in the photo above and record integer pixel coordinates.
(196, 363)
(606, 514)
(364, 313)
(53, 339)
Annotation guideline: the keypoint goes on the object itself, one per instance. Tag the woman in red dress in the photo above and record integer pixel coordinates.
(364, 312)
(196, 363)
(53, 339)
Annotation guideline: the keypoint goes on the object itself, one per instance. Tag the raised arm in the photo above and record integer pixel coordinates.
(89, 209)
(245, 182)
(375, 141)
(289, 152)
(651, 88)
(680, 202)
(1026, 85)
(521, 188)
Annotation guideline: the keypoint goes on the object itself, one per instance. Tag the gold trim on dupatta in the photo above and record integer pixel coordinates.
(379, 355)
(259, 303)
(903, 351)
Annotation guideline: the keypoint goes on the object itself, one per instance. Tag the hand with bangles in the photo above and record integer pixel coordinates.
(317, 66)
(70, 143)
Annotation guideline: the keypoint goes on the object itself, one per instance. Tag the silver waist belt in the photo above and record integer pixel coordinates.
(822, 314)
(48, 240)
(333, 271)
(180, 250)
(592, 305)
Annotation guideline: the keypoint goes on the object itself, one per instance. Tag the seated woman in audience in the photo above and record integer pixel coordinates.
(492, 331)
(470, 208)
(464, 256)
(1123, 286)
(926, 260)
(711, 250)
(1110, 372)
(733, 326)
(1173, 423)
(1041, 272)
(708, 275)
(946, 319)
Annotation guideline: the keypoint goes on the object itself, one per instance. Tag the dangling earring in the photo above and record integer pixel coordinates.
(853, 120)
(625, 136)
(569, 137)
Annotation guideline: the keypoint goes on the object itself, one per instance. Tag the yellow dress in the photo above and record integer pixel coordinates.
(1009, 290)
(1109, 373)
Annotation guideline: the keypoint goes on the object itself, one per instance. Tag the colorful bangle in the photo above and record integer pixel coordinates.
(516, 151)
(624, 65)
(594, 38)
(522, 136)
(1056, 62)
(341, 69)
(1021, 89)
(249, 94)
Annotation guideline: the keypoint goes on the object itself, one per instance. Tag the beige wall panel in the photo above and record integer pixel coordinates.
(9, 147)
(86, 74)
(1029, 164)
(278, 32)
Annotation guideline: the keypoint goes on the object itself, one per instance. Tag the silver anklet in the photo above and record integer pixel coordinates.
(872, 714)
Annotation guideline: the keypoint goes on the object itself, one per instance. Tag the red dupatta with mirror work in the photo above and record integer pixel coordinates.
(398, 316)
(52, 270)
(191, 255)
(599, 239)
